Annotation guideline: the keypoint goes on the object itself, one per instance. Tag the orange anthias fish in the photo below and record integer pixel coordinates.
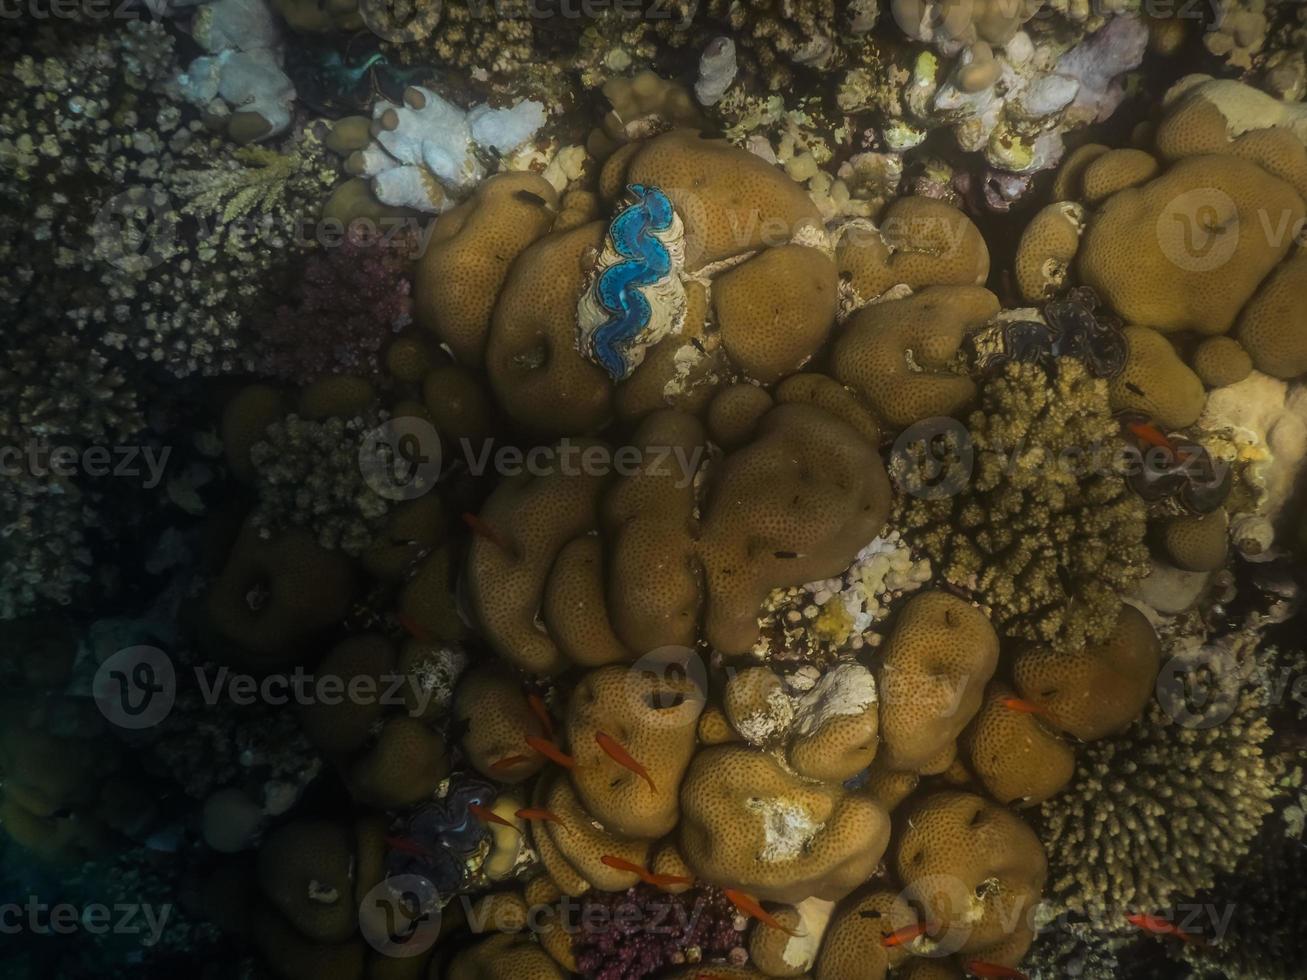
(538, 813)
(613, 749)
(508, 762)
(1022, 706)
(413, 628)
(407, 846)
(541, 711)
(551, 751)
(981, 968)
(487, 815)
(481, 529)
(644, 874)
(1158, 926)
(901, 937)
(1149, 433)
(751, 907)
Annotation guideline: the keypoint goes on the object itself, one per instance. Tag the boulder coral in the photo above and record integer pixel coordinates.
(829, 731)
(1018, 758)
(902, 355)
(653, 719)
(752, 289)
(1192, 236)
(1099, 689)
(933, 671)
(747, 823)
(273, 594)
(976, 869)
(793, 505)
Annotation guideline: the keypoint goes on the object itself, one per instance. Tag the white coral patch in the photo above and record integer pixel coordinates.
(788, 828)
(847, 689)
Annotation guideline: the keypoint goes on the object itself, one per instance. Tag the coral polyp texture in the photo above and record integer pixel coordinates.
(701, 490)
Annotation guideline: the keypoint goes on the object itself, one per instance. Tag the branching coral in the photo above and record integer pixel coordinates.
(171, 236)
(1159, 811)
(308, 475)
(629, 946)
(43, 552)
(1073, 949)
(1264, 938)
(1045, 530)
(352, 300)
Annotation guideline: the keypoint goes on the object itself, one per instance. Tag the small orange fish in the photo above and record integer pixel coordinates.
(538, 813)
(644, 874)
(413, 628)
(613, 749)
(1021, 706)
(981, 968)
(541, 711)
(1158, 926)
(407, 846)
(484, 530)
(750, 907)
(508, 762)
(901, 937)
(487, 815)
(1149, 433)
(551, 751)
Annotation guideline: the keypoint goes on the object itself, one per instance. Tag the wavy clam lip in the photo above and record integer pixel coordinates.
(635, 296)
(785, 489)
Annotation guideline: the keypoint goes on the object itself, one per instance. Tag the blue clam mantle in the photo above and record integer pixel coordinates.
(635, 297)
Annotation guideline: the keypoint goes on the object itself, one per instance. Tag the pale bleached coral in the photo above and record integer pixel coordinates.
(240, 79)
(427, 152)
(1014, 102)
(817, 621)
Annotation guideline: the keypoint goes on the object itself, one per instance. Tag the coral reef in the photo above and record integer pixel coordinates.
(1261, 940)
(1144, 233)
(308, 475)
(1185, 804)
(721, 574)
(351, 301)
(630, 951)
(1044, 530)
